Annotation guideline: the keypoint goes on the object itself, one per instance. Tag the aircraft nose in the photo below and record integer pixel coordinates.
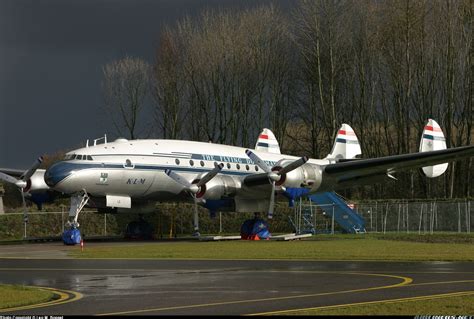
(56, 173)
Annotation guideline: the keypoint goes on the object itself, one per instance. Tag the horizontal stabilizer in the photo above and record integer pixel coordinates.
(433, 139)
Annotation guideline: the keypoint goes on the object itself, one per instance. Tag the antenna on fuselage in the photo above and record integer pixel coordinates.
(98, 139)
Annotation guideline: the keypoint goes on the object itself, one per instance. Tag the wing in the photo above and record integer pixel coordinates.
(346, 174)
(12, 172)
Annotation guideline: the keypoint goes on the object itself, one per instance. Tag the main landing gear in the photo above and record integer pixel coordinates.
(72, 235)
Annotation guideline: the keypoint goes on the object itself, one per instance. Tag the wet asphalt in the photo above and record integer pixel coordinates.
(220, 287)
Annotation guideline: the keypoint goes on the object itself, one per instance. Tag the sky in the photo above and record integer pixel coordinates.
(51, 58)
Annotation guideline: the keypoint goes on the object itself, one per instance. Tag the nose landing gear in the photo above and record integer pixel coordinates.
(72, 234)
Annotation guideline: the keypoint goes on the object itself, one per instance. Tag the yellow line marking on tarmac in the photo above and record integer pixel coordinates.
(442, 282)
(405, 281)
(64, 297)
(407, 299)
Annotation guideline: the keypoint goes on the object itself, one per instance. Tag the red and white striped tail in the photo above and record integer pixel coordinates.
(267, 142)
(346, 144)
(433, 139)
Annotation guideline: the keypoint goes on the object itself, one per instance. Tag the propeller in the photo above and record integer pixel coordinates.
(196, 189)
(276, 174)
(22, 183)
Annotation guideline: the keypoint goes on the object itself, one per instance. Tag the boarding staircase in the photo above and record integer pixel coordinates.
(347, 218)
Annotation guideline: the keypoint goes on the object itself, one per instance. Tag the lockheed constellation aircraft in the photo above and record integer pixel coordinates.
(134, 174)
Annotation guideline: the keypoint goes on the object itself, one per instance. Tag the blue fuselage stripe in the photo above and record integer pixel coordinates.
(61, 170)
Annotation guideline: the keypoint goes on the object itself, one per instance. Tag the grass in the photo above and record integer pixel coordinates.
(319, 247)
(16, 296)
(458, 305)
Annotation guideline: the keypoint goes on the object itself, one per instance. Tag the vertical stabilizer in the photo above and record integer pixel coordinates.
(267, 142)
(433, 139)
(346, 145)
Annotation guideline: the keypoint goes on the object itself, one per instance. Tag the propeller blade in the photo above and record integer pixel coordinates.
(178, 178)
(210, 175)
(272, 202)
(25, 212)
(196, 214)
(12, 180)
(258, 161)
(293, 165)
(26, 175)
(196, 218)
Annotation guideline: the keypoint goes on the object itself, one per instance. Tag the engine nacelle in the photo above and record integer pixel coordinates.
(36, 183)
(219, 187)
(307, 175)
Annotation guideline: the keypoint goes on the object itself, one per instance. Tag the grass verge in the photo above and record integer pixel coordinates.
(458, 305)
(16, 296)
(327, 247)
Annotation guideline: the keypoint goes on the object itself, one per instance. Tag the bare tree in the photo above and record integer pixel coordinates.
(125, 87)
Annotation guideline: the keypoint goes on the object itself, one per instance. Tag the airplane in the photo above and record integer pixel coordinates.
(134, 174)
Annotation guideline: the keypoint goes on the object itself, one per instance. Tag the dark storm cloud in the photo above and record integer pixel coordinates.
(51, 55)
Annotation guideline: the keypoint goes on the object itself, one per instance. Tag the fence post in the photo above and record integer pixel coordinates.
(376, 217)
(469, 210)
(459, 217)
(371, 226)
(220, 222)
(421, 218)
(408, 218)
(398, 221)
(332, 223)
(105, 224)
(467, 218)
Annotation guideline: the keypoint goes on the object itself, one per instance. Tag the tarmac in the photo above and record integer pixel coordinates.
(219, 287)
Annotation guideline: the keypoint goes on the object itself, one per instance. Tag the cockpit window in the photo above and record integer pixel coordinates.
(89, 158)
(79, 157)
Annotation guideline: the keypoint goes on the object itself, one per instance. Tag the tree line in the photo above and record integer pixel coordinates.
(384, 67)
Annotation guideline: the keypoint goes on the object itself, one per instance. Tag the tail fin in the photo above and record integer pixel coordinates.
(346, 145)
(433, 139)
(267, 142)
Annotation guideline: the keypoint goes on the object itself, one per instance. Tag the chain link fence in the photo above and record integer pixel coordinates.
(176, 220)
(421, 216)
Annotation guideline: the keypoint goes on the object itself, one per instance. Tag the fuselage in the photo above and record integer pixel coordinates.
(136, 168)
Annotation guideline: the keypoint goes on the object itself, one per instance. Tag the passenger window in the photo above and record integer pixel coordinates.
(176, 161)
(247, 167)
(191, 162)
(238, 166)
(256, 168)
(202, 163)
(228, 165)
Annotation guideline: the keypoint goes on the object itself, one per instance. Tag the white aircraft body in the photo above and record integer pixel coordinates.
(134, 174)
